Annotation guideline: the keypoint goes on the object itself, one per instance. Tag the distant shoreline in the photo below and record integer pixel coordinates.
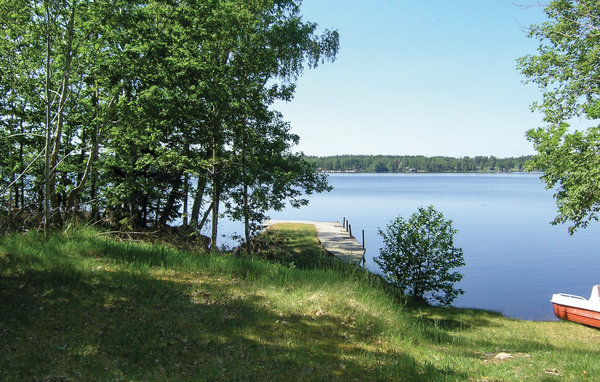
(417, 164)
(425, 172)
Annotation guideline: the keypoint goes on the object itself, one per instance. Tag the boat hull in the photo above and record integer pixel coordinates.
(582, 316)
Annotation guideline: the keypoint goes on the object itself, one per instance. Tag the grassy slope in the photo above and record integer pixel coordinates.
(83, 307)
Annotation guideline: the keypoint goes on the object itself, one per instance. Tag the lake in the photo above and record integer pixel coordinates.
(515, 259)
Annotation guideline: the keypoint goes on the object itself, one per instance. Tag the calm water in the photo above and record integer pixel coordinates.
(515, 258)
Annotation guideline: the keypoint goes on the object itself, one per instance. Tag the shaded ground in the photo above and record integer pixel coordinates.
(83, 308)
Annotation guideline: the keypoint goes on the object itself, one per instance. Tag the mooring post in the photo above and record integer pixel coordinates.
(350, 229)
(363, 260)
(344, 222)
(346, 227)
(363, 237)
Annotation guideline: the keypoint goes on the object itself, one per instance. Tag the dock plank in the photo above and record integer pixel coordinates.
(334, 239)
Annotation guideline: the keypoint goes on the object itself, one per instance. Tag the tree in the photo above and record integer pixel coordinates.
(567, 70)
(51, 52)
(266, 48)
(272, 175)
(132, 102)
(418, 256)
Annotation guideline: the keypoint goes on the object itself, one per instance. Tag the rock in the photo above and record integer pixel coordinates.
(502, 356)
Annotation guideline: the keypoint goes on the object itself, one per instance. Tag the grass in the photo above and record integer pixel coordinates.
(81, 307)
(296, 245)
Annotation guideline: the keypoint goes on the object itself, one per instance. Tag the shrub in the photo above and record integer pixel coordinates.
(418, 256)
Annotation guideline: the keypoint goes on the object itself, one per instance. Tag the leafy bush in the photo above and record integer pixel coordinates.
(419, 254)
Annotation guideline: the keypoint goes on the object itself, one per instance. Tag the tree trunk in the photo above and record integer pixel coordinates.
(93, 195)
(215, 179)
(245, 196)
(198, 202)
(186, 183)
(47, 144)
(11, 197)
(61, 114)
(22, 188)
(157, 213)
(75, 192)
(21, 160)
(169, 206)
(206, 213)
(215, 208)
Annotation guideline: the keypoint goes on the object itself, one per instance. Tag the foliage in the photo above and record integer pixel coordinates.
(567, 72)
(416, 163)
(149, 104)
(271, 175)
(418, 256)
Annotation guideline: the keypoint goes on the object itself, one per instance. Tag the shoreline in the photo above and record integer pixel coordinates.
(426, 172)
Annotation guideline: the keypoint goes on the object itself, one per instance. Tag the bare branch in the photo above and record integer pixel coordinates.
(19, 134)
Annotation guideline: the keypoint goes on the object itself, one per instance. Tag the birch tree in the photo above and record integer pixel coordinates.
(567, 71)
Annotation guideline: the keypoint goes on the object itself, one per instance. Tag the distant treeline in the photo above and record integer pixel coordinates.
(416, 163)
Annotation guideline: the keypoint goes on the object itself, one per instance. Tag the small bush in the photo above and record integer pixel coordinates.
(419, 254)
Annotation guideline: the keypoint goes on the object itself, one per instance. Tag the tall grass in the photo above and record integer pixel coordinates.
(80, 306)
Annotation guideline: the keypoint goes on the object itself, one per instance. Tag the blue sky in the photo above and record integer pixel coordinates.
(431, 77)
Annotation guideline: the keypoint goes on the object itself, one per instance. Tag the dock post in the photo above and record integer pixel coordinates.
(363, 260)
(350, 229)
(363, 237)
(346, 226)
(344, 222)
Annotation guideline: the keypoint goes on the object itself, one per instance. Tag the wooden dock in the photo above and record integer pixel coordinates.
(334, 239)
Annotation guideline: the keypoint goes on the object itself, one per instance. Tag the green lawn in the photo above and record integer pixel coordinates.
(81, 307)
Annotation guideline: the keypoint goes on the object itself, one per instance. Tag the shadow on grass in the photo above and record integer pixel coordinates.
(437, 324)
(441, 325)
(94, 324)
(452, 319)
(102, 325)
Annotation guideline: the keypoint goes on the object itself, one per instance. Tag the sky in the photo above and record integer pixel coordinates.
(418, 77)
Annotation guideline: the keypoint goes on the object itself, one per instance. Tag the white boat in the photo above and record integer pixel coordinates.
(577, 308)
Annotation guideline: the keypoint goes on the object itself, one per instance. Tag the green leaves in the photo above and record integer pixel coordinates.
(571, 166)
(567, 70)
(143, 96)
(418, 256)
